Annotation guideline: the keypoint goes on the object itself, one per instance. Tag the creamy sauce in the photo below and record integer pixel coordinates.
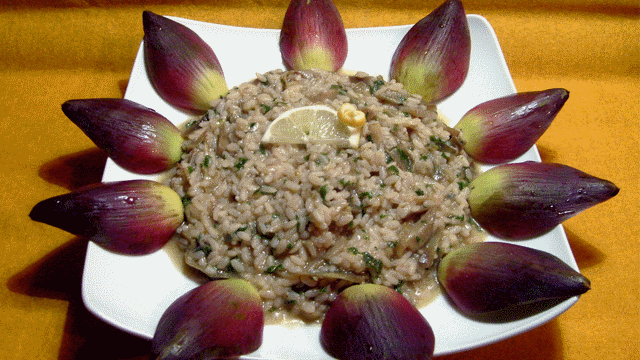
(172, 249)
(422, 293)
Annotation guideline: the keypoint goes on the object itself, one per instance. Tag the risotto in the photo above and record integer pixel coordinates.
(302, 222)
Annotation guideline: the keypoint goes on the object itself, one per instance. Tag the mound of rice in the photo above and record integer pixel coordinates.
(302, 222)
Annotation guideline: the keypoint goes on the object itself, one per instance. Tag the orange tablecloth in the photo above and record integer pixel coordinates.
(85, 49)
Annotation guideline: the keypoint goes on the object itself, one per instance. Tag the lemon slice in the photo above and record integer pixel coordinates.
(316, 124)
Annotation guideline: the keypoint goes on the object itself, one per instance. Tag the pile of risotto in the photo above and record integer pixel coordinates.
(302, 222)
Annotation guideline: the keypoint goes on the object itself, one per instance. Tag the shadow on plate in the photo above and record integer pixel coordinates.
(513, 313)
(58, 275)
(543, 342)
(518, 312)
(75, 170)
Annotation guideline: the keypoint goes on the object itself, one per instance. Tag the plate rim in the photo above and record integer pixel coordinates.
(559, 308)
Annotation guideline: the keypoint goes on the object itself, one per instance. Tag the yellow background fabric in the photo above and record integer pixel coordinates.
(85, 49)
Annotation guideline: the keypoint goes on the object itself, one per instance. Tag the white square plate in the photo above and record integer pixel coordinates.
(131, 293)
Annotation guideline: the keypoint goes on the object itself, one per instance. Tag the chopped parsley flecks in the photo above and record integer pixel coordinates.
(244, 228)
(206, 249)
(345, 183)
(393, 170)
(365, 195)
(265, 191)
(186, 200)
(230, 267)
(323, 192)
(274, 268)
(436, 140)
(240, 164)
(265, 108)
(398, 287)
(191, 123)
(207, 161)
(377, 84)
(406, 159)
(389, 159)
(340, 88)
(373, 264)
(443, 145)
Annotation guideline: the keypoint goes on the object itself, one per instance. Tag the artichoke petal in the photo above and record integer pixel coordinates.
(369, 321)
(135, 137)
(219, 319)
(524, 200)
(491, 276)
(313, 36)
(432, 59)
(502, 129)
(133, 217)
(182, 68)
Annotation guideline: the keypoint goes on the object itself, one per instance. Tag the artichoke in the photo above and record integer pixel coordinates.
(313, 36)
(133, 217)
(491, 276)
(135, 137)
(432, 59)
(524, 200)
(182, 68)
